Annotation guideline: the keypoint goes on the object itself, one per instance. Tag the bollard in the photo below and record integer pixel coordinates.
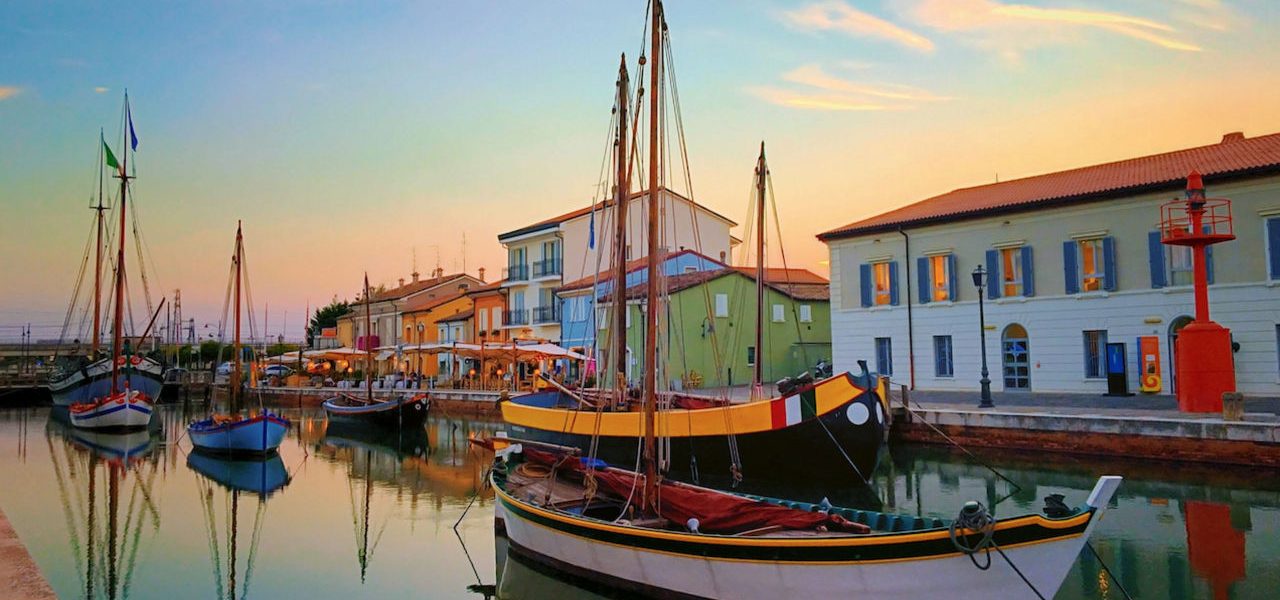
(1232, 406)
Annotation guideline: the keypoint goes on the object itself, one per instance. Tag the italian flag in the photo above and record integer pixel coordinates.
(110, 157)
(794, 409)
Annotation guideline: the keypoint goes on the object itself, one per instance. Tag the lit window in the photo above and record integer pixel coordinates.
(940, 278)
(779, 315)
(883, 294)
(1095, 349)
(806, 313)
(1011, 272)
(1091, 265)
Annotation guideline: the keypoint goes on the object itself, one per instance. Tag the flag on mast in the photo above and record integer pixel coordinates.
(133, 135)
(110, 157)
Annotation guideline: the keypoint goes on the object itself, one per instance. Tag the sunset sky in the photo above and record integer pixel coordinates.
(347, 135)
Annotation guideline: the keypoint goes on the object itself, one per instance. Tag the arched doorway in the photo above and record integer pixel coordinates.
(1015, 358)
(1174, 328)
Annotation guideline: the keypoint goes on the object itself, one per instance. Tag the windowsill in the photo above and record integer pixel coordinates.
(1092, 379)
(1174, 289)
(1090, 295)
(1273, 283)
(1011, 299)
(944, 376)
(939, 303)
(880, 307)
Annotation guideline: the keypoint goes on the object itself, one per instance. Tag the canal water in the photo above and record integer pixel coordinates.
(343, 515)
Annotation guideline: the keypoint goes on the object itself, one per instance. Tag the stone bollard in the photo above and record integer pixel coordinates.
(1232, 406)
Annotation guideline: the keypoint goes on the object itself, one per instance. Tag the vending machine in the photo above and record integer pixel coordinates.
(1149, 381)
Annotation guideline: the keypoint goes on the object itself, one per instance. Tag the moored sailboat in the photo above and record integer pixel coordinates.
(234, 433)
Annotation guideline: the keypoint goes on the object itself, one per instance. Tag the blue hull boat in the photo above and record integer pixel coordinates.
(260, 476)
(257, 435)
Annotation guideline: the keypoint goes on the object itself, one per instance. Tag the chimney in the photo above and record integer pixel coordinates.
(481, 270)
(415, 276)
(1234, 136)
(401, 282)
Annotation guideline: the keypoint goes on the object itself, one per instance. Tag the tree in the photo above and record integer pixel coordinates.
(326, 317)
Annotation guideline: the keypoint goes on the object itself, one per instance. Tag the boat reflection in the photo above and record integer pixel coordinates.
(104, 532)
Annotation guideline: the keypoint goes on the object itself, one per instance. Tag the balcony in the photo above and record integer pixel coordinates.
(519, 316)
(516, 273)
(547, 314)
(547, 267)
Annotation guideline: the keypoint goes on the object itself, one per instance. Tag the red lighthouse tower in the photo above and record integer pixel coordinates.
(1204, 364)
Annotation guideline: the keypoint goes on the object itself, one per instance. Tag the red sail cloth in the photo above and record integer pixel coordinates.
(716, 512)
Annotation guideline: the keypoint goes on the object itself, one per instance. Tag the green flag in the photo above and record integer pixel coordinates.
(111, 158)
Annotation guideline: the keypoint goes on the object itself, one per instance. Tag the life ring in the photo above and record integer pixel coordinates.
(136, 360)
(120, 361)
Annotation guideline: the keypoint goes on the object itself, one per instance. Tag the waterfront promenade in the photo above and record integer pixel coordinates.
(20, 578)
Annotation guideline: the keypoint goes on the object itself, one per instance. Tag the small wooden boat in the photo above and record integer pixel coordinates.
(122, 411)
(397, 412)
(256, 435)
(586, 523)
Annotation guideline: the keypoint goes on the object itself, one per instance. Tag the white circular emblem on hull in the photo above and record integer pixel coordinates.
(857, 413)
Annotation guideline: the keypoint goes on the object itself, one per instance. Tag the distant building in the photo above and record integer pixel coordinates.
(711, 333)
(1074, 261)
(542, 256)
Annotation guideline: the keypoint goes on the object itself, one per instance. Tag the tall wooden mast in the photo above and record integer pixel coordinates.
(650, 500)
(117, 336)
(368, 344)
(622, 199)
(97, 262)
(757, 378)
(236, 373)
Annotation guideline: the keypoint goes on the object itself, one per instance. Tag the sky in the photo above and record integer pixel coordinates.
(352, 136)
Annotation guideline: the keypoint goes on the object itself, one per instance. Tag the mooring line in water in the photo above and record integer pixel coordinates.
(1108, 570)
(484, 481)
(1016, 488)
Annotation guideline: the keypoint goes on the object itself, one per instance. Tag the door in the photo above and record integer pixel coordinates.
(1174, 328)
(1015, 358)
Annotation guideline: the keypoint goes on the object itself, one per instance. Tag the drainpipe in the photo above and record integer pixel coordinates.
(911, 338)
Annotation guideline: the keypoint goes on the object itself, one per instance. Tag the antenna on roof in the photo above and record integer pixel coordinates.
(997, 177)
(464, 252)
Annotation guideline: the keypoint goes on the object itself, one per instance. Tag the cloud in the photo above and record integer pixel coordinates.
(815, 89)
(836, 15)
(9, 91)
(1010, 29)
(101, 90)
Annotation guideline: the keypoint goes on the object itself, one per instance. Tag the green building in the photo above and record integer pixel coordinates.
(707, 326)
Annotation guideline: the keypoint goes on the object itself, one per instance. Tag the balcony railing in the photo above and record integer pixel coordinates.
(516, 273)
(547, 314)
(546, 267)
(519, 316)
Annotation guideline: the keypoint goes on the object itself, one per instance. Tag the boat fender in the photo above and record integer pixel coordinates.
(417, 406)
(692, 524)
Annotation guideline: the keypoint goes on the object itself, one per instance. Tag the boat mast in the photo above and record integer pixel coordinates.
(368, 344)
(97, 262)
(622, 199)
(650, 498)
(117, 337)
(757, 378)
(236, 373)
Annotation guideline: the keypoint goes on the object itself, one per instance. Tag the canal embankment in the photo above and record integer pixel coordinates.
(20, 578)
(1141, 428)
(445, 401)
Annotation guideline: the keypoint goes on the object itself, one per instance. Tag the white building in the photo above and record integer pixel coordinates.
(542, 256)
(1074, 261)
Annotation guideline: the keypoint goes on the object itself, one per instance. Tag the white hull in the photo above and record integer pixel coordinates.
(129, 410)
(1045, 564)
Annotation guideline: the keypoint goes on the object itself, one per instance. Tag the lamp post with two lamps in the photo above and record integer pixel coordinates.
(979, 280)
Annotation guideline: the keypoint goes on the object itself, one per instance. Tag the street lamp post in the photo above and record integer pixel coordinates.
(979, 279)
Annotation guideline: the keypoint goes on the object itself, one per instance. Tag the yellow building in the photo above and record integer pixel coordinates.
(420, 318)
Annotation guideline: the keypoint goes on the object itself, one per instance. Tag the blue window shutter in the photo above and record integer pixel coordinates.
(1155, 255)
(952, 288)
(893, 283)
(923, 280)
(1071, 275)
(864, 281)
(1028, 273)
(993, 274)
(1273, 244)
(1109, 263)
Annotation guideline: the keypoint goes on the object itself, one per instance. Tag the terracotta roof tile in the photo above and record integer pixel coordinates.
(780, 275)
(412, 288)
(431, 301)
(1234, 155)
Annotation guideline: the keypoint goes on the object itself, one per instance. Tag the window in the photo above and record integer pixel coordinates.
(1091, 265)
(806, 313)
(627, 311)
(1095, 353)
(497, 317)
(690, 269)
(602, 318)
(1011, 272)
(751, 356)
(484, 320)
(884, 356)
(940, 278)
(517, 300)
(779, 314)
(1273, 247)
(883, 294)
(943, 364)
(722, 305)
(1181, 268)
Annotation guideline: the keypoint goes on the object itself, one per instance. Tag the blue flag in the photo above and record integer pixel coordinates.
(591, 234)
(133, 135)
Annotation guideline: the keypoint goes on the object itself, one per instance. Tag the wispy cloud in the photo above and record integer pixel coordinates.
(9, 91)
(101, 90)
(1013, 28)
(815, 89)
(836, 15)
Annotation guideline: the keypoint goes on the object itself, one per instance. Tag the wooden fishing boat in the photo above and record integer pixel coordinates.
(122, 411)
(395, 412)
(81, 381)
(704, 543)
(233, 433)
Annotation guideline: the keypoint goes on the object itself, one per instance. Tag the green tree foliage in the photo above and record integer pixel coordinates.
(278, 349)
(326, 317)
(210, 350)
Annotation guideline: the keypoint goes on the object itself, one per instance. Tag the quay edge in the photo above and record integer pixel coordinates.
(19, 575)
